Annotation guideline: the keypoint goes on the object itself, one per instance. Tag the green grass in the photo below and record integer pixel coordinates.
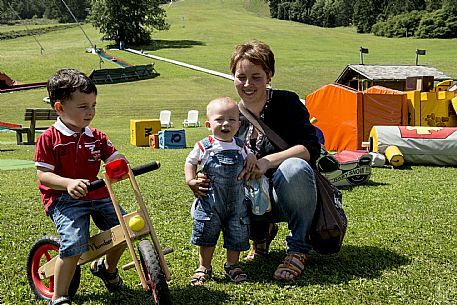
(401, 242)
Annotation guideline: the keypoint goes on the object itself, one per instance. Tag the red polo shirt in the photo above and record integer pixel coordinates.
(72, 155)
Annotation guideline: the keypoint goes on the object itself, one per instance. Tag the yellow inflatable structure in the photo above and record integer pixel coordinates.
(434, 109)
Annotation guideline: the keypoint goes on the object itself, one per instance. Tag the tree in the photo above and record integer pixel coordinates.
(450, 6)
(402, 25)
(331, 13)
(433, 5)
(396, 7)
(131, 21)
(283, 10)
(366, 14)
(55, 9)
(5, 15)
(438, 24)
(50, 9)
(344, 12)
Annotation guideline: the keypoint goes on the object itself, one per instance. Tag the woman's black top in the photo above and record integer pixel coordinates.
(285, 114)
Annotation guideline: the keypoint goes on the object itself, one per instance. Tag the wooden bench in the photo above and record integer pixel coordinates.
(33, 115)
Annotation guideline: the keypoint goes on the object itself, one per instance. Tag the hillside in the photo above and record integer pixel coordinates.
(203, 33)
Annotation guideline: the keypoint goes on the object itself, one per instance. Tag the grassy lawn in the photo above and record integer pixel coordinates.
(401, 242)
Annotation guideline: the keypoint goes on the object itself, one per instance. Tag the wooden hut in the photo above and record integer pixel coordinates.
(397, 77)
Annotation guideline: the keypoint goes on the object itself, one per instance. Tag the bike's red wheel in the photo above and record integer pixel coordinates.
(42, 252)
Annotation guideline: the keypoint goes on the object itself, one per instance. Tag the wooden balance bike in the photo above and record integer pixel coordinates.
(151, 267)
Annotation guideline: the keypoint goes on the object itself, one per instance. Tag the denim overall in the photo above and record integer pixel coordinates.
(223, 208)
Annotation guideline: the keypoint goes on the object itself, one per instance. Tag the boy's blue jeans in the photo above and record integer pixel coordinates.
(72, 220)
(294, 202)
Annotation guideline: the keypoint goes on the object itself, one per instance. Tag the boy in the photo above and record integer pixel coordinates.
(221, 207)
(68, 156)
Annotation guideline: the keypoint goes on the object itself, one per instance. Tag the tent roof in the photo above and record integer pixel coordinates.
(389, 72)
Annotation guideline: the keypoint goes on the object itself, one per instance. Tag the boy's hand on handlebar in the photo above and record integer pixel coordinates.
(77, 188)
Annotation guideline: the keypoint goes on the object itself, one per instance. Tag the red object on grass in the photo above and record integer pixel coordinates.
(10, 125)
(347, 156)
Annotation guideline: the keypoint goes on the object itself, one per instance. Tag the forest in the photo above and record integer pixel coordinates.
(13, 10)
(390, 18)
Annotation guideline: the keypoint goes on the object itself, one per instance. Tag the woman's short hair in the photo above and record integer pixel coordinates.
(257, 52)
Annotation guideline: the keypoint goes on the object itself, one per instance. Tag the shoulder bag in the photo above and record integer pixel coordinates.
(329, 221)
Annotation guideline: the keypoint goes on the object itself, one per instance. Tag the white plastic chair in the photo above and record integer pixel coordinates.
(192, 119)
(165, 117)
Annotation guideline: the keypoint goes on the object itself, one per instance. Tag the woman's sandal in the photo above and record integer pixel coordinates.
(235, 273)
(98, 269)
(201, 275)
(260, 247)
(291, 267)
(60, 301)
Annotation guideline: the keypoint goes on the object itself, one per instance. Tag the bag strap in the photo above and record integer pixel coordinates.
(262, 127)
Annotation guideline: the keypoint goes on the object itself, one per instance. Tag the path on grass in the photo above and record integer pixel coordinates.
(182, 64)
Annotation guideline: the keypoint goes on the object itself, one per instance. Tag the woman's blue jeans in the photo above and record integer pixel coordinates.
(294, 202)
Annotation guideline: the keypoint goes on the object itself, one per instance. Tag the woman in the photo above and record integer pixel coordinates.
(290, 170)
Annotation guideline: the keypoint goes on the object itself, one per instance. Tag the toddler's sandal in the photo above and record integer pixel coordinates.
(235, 273)
(201, 275)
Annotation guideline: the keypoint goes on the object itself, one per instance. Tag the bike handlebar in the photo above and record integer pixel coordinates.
(139, 170)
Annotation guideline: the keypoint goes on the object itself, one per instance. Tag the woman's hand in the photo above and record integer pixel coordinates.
(260, 169)
(199, 185)
(261, 166)
(274, 160)
(249, 165)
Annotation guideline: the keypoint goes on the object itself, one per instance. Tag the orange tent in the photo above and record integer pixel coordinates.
(346, 115)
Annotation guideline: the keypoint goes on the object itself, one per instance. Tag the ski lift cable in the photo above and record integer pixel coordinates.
(79, 24)
(28, 30)
(87, 37)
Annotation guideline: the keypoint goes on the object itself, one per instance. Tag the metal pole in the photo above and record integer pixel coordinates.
(30, 32)
(362, 50)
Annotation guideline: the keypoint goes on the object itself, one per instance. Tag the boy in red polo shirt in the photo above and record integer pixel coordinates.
(68, 157)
